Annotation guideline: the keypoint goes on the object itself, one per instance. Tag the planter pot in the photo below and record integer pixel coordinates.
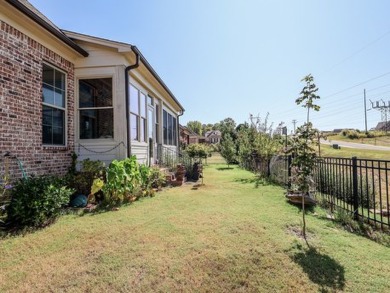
(296, 198)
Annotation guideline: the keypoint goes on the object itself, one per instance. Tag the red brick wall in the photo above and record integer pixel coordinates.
(21, 62)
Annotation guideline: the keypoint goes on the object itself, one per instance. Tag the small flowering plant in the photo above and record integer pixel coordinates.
(4, 187)
(5, 196)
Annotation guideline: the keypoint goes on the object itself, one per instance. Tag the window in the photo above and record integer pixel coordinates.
(95, 108)
(169, 128)
(137, 114)
(157, 131)
(53, 106)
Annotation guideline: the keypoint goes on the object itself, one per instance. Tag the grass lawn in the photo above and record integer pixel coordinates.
(232, 234)
(381, 141)
(344, 152)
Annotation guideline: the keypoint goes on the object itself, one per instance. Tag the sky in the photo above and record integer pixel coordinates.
(225, 58)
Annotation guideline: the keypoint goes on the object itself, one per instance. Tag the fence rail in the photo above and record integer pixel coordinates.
(359, 186)
(170, 158)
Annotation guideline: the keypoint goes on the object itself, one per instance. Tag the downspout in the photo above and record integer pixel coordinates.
(178, 129)
(127, 96)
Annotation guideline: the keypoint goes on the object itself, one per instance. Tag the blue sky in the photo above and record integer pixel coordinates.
(224, 58)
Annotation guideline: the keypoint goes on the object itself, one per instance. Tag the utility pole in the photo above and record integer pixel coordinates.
(257, 120)
(294, 122)
(365, 111)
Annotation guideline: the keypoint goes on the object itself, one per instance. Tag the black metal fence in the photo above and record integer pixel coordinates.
(170, 158)
(359, 186)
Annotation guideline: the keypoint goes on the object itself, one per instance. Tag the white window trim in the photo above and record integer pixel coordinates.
(140, 90)
(169, 111)
(65, 109)
(77, 107)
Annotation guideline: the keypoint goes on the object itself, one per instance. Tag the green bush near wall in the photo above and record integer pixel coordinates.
(37, 201)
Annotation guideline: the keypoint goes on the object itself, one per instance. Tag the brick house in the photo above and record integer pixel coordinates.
(63, 92)
(187, 136)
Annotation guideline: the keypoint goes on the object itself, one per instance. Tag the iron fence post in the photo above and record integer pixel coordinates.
(268, 168)
(355, 189)
(289, 161)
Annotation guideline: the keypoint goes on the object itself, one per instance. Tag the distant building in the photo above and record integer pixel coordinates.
(187, 136)
(213, 136)
(383, 126)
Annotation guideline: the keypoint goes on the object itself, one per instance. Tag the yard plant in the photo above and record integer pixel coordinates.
(235, 233)
(302, 146)
(37, 201)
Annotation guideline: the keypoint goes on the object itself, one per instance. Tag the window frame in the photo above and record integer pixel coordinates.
(169, 128)
(78, 109)
(140, 114)
(64, 109)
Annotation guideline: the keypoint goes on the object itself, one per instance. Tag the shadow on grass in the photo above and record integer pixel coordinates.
(224, 168)
(320, 268)
(257, 181)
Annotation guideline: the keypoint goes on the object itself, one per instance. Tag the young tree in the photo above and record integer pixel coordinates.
(245, 138)
(302, 144)
(228, 149)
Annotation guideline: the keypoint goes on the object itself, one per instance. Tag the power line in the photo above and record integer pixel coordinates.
(358, 51)
(356, 85)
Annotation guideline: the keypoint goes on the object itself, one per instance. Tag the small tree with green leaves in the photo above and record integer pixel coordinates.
(228, 149)
(302, 145)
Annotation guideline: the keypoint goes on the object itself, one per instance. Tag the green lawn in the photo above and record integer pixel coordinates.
(344, 152)
(381, 141)
(232, 234)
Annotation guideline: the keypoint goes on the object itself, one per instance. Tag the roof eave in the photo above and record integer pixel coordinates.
(156, 76)
(23, 9)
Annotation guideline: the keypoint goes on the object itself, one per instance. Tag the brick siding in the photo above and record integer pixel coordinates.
(21, 61)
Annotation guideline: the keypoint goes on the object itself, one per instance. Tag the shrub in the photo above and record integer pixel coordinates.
(123, 182)
(157, 178)
(37, 201)
(353, 133)
(198, 151)
(145, 179)
(82, 181)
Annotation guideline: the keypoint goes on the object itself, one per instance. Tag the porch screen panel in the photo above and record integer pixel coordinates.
(96, 114)
(138, 121)
(170, 128)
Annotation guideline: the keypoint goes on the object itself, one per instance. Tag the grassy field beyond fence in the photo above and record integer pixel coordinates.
(235, 233)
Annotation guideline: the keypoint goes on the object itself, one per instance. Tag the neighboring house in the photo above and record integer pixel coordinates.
(187, 136)
(63, 92)
(196, 138)
(213, 136)
(184, 135)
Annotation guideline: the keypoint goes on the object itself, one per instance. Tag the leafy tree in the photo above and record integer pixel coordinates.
(245, 143)
(228, 149)
(207, 127)
(301, 145)
(198, 151)
(265, 146)
(228, 125)
(195, 126)
(217, 126)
